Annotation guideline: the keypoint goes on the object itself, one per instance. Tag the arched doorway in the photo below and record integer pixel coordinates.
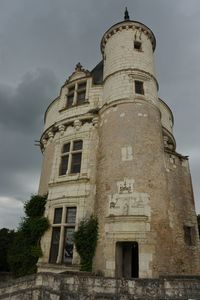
(127, 259)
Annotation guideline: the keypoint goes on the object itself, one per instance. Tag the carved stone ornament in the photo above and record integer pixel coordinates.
(77, 124)
(44, 142)
(61, 129)
(95, 121)
(50, 135)
(127, 201)
(125, 187)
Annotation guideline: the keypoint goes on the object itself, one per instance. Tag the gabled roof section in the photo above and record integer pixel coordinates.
(79, 72)
(97, 73)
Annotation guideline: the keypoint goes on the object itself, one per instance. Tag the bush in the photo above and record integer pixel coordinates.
(25, 250)
(6, 239)
(35, 207)
(85, 239)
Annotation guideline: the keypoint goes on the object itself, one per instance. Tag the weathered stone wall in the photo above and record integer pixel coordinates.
(47, 163)
(47, 286)
(181, 212)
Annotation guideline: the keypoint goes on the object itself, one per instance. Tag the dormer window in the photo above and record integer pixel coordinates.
(70, 96)
(81, 91)
(76, 94)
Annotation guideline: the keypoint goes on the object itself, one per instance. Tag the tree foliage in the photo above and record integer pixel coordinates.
(85, 239)
(25, 250)
(6, 239)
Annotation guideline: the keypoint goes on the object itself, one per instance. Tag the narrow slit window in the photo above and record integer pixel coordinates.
(189, 235)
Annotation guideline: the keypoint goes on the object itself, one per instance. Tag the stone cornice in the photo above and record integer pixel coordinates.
(136, 72)
(125, 25)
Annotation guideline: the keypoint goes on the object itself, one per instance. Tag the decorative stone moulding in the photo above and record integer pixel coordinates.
(44, 142)
(79, 73)
(95, 122)
(165, 140)
(140, 27)
(50, 135)
(61, 129)
(77, 124)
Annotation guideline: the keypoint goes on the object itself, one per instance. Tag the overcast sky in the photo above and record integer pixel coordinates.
(40, 43)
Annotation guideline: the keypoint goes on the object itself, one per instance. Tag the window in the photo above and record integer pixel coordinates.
(62, 235)
(69, 232)
(70, 96)
(54, 245)
(57, 215)
(138, 45)
(76, 94)
(139, 89)
(71, 158)
(81, 93)
(189, 235)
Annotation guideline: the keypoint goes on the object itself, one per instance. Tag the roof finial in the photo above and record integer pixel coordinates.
(126, 15)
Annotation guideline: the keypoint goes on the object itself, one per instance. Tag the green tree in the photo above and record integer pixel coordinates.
(6, 239)
(85, 239)
(26, 250)
(198, 221)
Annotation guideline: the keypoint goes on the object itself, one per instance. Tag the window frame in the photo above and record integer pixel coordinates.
(139, 88)
(70, 154)
(62, 228)
(75, 92)
(135, 44)
(189, 235)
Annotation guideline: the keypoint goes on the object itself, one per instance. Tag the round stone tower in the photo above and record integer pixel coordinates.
(109, 150)
(137, 225)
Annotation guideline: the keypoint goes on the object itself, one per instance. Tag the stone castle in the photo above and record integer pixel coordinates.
(109, 150)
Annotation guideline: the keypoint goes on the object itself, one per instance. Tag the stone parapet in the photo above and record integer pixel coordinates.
(81, 286)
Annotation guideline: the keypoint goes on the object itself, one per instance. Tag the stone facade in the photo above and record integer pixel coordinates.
(47, 286)
(129, 175)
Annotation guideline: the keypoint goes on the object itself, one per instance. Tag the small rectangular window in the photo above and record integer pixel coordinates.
(57, 215)
(54, 245)
(77, 145)
(139, 89)
(137, 45)
(76, 163)
(71, 215)
(64, 164)
(189, 235)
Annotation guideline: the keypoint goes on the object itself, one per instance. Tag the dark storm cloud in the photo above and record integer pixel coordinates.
(25, 104)
(40, 43)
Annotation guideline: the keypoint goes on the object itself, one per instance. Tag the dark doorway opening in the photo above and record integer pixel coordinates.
(127, 259)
